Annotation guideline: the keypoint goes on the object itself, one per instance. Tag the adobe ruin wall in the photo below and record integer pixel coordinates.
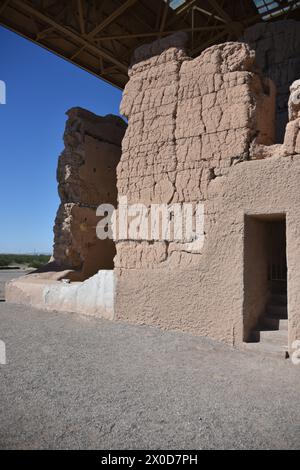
(86, 176)
(203, 130)
(190, 121)
(199, 130)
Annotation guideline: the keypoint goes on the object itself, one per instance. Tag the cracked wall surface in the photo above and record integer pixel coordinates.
(202, 130)
(189, 122)
(86, 177)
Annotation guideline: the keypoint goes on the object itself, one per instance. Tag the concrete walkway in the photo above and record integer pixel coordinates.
(78, 382)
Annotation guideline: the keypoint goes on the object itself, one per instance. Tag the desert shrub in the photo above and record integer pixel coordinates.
(34, 261)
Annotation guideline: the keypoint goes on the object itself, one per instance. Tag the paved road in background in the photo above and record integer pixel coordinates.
(77, 382)
(7, 275)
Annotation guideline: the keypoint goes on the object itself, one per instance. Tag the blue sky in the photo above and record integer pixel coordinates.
(40, 88)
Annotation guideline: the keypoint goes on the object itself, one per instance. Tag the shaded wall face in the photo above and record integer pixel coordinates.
(277, 47)
(255, 272)
(86, 178)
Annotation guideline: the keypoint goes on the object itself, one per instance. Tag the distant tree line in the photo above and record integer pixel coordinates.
(33, 261)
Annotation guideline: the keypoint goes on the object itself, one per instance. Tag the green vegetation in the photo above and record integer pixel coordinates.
(33, 261)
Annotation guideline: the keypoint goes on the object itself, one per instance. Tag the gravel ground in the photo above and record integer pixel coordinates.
(77, 382)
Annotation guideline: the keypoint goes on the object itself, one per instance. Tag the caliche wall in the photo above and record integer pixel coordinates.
(207, 297)
(86, 177)
(202, 131)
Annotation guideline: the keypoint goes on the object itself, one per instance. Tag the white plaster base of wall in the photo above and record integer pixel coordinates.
(95, 296)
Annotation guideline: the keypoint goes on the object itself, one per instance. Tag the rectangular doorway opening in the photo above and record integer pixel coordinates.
(265, 280)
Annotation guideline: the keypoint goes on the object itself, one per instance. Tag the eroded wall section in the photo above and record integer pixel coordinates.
(86, 177)
(190, 121)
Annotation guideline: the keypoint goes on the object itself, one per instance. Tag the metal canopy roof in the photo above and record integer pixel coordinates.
(100, 35)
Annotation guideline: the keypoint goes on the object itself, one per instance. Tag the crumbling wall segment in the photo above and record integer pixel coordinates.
(86, 177)
(189, 122)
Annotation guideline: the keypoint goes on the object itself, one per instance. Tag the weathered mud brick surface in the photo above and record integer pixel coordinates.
(86, 177)
(189, 122)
